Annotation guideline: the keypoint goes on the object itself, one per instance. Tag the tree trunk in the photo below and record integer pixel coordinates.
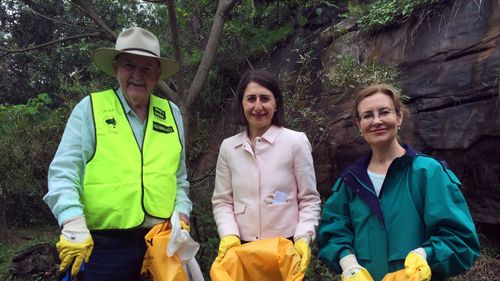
(223, 10)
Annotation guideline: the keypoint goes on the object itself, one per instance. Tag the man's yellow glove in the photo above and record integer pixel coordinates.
(185, 226)
(185, 222)
(75, 245)
(226, 243)
(302, 247)
(416, 264)
(352, 271)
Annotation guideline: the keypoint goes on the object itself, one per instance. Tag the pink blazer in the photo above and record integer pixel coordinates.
(246, 183)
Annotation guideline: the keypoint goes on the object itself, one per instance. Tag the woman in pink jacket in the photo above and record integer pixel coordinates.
(265, 184)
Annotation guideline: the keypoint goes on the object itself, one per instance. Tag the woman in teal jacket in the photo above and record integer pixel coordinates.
(395, 208)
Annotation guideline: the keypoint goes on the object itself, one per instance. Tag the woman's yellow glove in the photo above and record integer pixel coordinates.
(352, 270)
(75, 245)
(399, 275)
(416, 264)
(226, 243)
(302, 247)
(361, 275)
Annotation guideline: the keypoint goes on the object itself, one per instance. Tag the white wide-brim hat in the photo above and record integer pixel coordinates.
(136, 41)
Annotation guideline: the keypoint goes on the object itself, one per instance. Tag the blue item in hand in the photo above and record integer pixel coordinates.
(67, 275)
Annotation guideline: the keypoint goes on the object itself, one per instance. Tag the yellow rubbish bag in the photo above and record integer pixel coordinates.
(400, 275)
(157, 265)
(264, 260)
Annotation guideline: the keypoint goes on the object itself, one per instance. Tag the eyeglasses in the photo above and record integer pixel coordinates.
(144, 69)
(369, 116)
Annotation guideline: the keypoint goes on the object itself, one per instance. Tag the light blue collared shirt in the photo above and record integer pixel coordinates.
(67, 170)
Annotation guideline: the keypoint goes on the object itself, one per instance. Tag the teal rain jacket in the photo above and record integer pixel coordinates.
(419, 205)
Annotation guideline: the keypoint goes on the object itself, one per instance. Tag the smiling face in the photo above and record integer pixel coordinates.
(259, 106)
(137, 76)
(378, 120)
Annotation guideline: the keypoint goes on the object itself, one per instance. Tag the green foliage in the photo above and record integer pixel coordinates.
(257, 28)
(350, 76)
(379, 14)
(254, 30)
(32, 107)
(317, 270)
(203, 227)
(30, 134)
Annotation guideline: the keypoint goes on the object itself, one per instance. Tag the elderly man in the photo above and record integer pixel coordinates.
(120, 167)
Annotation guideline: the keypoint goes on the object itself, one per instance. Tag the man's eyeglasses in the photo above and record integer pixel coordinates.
(369, 116)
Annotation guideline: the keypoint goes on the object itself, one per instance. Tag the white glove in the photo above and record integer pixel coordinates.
(75, 245)
(349, 265)
(421, 252)
(75, 230)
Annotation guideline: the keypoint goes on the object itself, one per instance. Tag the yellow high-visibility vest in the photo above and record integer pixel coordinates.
(122, 182)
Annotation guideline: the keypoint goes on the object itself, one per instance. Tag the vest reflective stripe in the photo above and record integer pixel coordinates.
(121, 182)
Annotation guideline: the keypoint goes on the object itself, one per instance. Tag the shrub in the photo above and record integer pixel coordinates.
(299, 96)
(380, 14)
(30, 134)
(350, 75)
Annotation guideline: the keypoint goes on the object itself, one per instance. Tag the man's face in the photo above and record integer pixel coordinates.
(137, 76)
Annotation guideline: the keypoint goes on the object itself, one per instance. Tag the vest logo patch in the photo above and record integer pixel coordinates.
(158, 112)
(111, 121)
(162, 128)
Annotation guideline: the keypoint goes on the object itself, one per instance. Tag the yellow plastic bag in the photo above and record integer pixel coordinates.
(400, 275)
(157, 265)
(263, 260)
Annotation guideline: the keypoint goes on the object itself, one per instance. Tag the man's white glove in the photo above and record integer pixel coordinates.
(75, 245)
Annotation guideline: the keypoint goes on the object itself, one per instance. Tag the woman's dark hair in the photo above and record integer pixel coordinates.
(266, 80)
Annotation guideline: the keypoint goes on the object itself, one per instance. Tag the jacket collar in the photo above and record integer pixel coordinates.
(269, 136)
(357, 179)
(361, 165)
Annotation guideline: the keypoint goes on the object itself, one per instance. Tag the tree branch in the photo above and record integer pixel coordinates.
(13, 51)
(55, 20)
(165, 89)
(174, 30)
(87, 8)
(223, 9)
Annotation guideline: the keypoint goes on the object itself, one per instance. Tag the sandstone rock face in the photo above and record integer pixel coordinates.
(450, 66)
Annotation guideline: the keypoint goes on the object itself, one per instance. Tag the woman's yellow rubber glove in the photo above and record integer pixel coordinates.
(416, 263)
(399, 275)
(226, 243)
(75, 245)
(361, 275)
(302, 247)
